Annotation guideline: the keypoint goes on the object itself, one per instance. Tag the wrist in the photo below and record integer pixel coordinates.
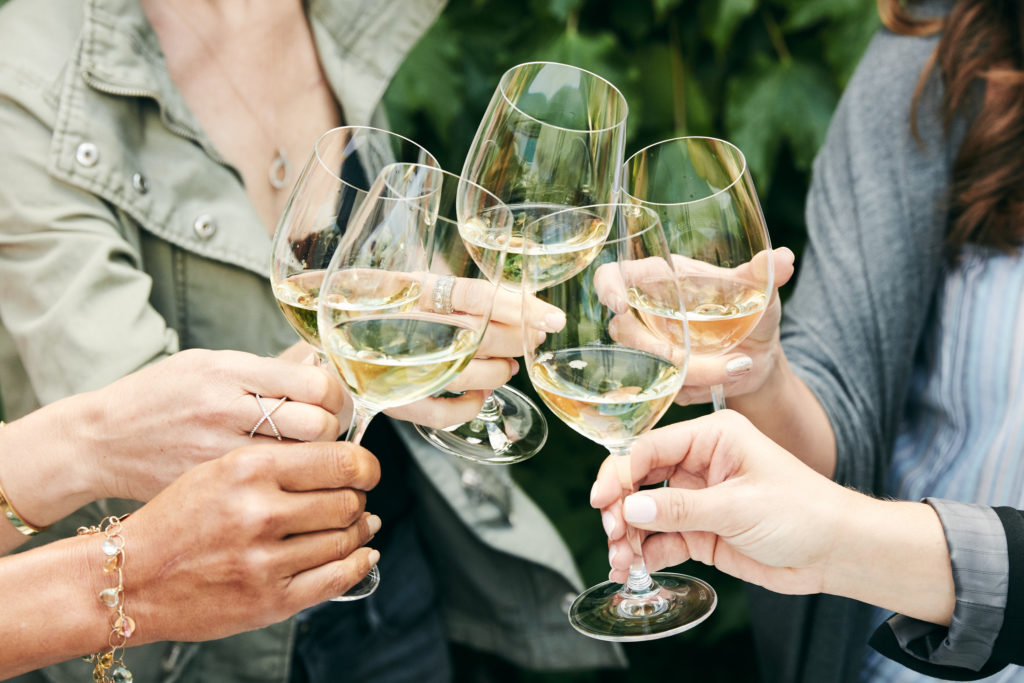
(44, 472)
(892, 554)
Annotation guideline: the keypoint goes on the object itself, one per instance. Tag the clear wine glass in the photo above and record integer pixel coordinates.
(331, 188)
(403, 306)
(552, 137)
(702, 190)
(610, 374)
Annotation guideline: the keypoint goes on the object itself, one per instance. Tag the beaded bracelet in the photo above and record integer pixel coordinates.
(8, 511)
(108, 665)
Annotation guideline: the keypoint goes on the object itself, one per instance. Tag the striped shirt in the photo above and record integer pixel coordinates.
(962, 433)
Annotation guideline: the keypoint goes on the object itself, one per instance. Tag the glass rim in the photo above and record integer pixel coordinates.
(502, 86)
(334, 131)
(457, 176)
(739, 176)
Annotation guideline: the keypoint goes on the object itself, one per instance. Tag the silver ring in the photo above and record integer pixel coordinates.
(441, 297)
(266, 416)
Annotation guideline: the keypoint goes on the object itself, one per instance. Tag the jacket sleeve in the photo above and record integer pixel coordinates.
(874, 253)
(74, 297)
(979, 642)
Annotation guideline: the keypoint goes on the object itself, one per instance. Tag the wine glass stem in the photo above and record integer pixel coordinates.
(639, 581)
(718, 396)
(489, 410)
(361, 416)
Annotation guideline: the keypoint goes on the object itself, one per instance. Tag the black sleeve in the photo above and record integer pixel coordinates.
(1009, 646)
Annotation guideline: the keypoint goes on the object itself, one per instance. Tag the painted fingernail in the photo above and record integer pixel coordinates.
(555, 321)
(612, 550)
(373, 557)
(739, 366)
(639, 508)
(608, 522)
(373, 522)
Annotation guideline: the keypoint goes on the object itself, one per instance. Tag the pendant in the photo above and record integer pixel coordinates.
(279, 170)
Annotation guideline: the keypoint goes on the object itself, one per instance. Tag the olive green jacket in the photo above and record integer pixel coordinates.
(125, 236)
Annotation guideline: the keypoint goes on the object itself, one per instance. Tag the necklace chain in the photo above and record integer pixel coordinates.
(279, 170)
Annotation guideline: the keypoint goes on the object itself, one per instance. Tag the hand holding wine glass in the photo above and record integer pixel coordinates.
(612, 391)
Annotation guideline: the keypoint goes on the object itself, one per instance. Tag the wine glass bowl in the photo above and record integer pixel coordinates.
(702, 190)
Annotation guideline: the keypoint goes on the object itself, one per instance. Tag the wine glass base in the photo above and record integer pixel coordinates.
(515, 433)
(365, 588)
(677, 604)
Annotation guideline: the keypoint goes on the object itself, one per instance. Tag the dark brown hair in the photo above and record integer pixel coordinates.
(982, 43)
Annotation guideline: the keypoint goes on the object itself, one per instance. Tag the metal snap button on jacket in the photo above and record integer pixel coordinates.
(87, 154)
(140, 183)
(205, 226)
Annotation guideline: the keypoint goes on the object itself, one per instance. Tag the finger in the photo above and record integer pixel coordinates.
(505, 341)
(660, 551)
(611, 288)
(292, 420)
(672, 509)
(312, 511)
(702, 373)
(299, 382)
(509, 310)
(309, 550)
(484, 373)
(627, 330)
(608, 486)
(440, 413)
(325, 465)
(330, 580)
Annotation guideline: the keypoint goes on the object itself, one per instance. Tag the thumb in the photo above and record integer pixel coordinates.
(672, 509)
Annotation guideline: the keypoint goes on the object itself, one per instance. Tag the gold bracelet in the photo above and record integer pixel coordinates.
(108, 665)
(12, 515)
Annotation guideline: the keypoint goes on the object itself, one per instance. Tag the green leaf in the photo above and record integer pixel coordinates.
(808, 12)
(725, 18)
(428, 82)
(559, 9)
(779, 103)
(846, 41)
(663, 7)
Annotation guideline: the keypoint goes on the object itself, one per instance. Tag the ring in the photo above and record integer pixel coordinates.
(266, 416)
(441, 297)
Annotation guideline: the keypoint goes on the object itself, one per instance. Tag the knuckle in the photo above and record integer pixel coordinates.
(350, 504)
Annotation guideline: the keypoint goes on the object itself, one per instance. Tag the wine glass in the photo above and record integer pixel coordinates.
(552, 137)
(403, 306)
(610, 375)
(331, 188)
(702, 190)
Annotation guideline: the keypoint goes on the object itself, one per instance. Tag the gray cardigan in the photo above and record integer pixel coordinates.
(876, 222)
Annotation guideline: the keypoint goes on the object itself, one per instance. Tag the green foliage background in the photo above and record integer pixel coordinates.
(764, 74)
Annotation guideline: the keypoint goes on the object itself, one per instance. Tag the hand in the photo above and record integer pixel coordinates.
(735, 500)
(148, 428)
(493, 364)
(249, 539)
(752, 363)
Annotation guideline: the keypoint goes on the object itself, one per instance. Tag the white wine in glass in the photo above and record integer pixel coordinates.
(552, 137)
(610, 376)
(702, 190)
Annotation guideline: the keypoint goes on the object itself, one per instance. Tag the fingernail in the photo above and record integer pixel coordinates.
(593, 492)
(739, 366)
(553, 322)
(618, 304)
(513, 365)
(374, 556)
(608, 522)
(639, 508)
(612, 550)
(539, 337)
(373, 522)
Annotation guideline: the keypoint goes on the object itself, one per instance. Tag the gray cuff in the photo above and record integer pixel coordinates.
(981, 569)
